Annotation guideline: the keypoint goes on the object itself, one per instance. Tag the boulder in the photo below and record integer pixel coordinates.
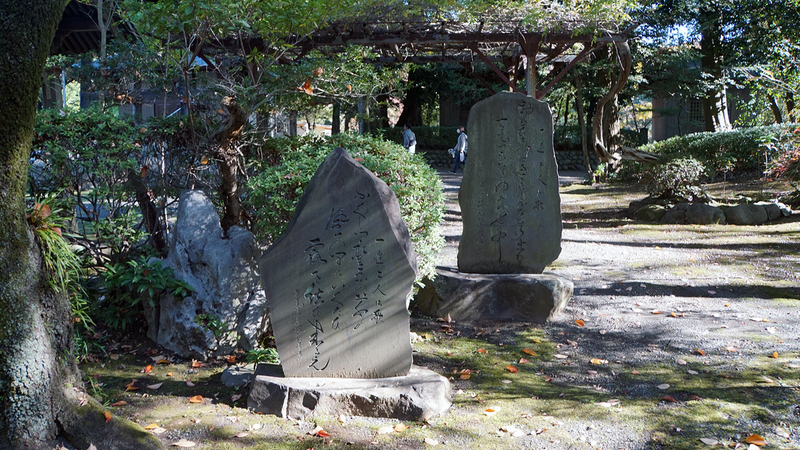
(532, 297)
(673, 216)
(227, 309)
(650, 213)
(746, 214)
(703, 214)
(773, 210)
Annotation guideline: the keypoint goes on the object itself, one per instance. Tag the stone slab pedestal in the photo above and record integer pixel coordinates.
(466, 296)
(420, 395)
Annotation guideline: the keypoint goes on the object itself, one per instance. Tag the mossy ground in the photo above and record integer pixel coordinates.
(685, 332)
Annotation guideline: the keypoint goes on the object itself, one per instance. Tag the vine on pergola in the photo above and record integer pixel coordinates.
(513, 41)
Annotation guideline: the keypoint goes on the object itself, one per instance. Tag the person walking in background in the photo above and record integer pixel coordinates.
(459, 152)
(409, 139)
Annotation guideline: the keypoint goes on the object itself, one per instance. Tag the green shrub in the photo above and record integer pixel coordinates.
(737, 150)
(784, 154)
(678, 178)
(127, 287)
(274, 190)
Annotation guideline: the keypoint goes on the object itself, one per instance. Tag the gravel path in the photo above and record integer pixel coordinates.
(654, 294)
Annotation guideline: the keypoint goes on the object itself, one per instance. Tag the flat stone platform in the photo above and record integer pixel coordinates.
(420, 395)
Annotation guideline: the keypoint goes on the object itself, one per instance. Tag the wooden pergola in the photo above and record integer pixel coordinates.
(513, 50)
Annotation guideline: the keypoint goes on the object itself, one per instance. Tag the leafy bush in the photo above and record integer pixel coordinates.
(784, 154)
(677, 178)
(741, 149)
(127, 287)
(274, 190)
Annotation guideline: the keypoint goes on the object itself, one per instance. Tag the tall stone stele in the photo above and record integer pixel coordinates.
(509, 198)
(337, 281)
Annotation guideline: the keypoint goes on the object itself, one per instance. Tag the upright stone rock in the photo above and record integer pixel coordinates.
(227, 309)
(338, 280)
(509, 194)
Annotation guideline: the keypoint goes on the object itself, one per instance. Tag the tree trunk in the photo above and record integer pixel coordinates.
(776, 110)
(715, 109)
(582, 122)
(39, 379)
(228, 158)
(604, 144)
(149, 212)
(412, 104)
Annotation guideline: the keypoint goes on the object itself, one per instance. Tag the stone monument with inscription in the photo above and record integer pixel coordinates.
(509, 199)
(337, 285)
(511, 213)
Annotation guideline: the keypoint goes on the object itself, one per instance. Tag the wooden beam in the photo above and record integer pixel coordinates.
(499, 73)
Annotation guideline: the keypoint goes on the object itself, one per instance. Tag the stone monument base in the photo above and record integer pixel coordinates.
(420, 395)
(465, 296)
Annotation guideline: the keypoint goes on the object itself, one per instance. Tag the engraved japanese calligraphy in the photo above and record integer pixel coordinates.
(509, 194)
(337, 281)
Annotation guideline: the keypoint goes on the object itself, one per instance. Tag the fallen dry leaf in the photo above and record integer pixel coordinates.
(189, 383)
(119, 403)
(529, 351)
(782, 433)
(152, 426)
(242, 434)
(537, 341)
(147, 369)
(481, 350)
(196, 364)
(695, 397)
(701, 352)
(668, 398)
(708, 441)
(511, 369)
(184, 443)
(634, 372)
(560, 356)
(755, 440)
(774, 355)
(154, 386)
(680, 362)
(431, 441)
(231, 359)
(107, 415)
(464, 376)
(731, 348)
(490, 411)
(401, 427)
(765, 379)
(663, 386)
(235, 397)
(322, 433)
(386, 430)
(692, 372)
(196, 399)
(598, 361)
(580, 323)
(523, 361)
(655, 311)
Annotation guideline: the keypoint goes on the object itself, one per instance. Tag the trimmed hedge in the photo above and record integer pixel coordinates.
(743, 149)
(275, 188)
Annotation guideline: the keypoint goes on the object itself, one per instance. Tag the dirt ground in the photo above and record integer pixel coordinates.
(677, 337)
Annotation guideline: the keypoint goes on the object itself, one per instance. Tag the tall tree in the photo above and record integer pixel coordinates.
(728, 34)
(39, 380)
